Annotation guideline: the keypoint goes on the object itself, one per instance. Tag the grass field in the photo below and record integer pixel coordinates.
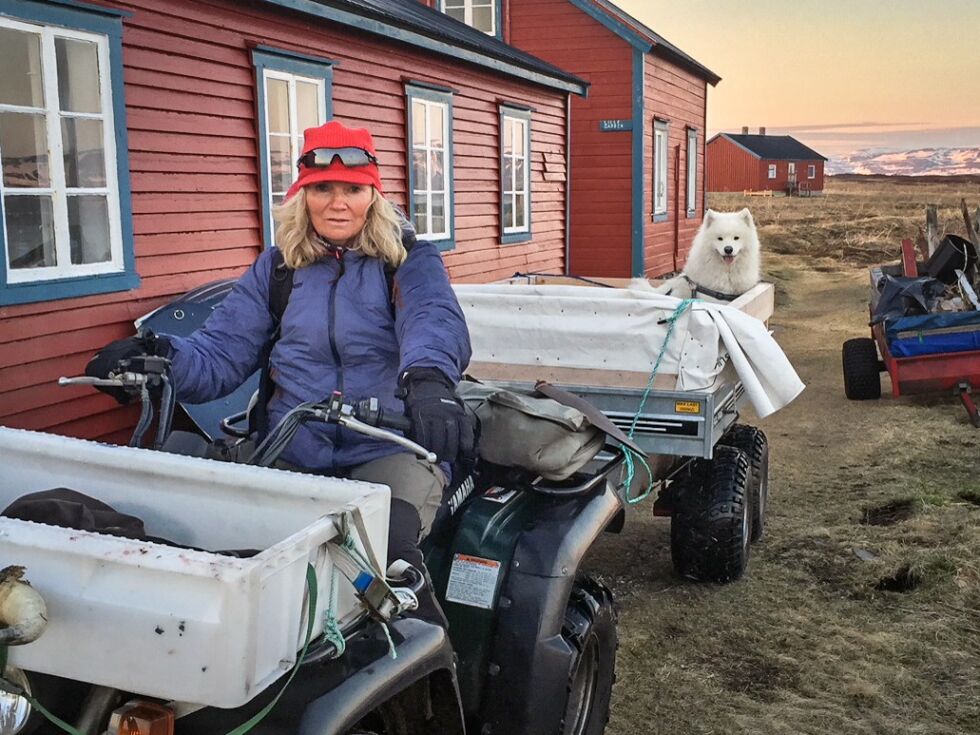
(860, 612)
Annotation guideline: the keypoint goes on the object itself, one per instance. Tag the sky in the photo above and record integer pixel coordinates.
(840, 75)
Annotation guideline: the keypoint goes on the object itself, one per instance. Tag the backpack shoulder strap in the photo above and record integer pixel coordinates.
(280, 287)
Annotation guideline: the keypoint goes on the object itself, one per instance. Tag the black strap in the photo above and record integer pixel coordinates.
(280, 288)
(697, 288)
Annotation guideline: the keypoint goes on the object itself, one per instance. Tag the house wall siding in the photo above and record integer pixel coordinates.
(601, 163)
(190, 93)
(677, 96)
(731, 168)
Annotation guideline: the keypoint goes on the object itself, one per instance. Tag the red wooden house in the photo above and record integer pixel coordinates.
(144, 141)
(777, 163)
(637, 140)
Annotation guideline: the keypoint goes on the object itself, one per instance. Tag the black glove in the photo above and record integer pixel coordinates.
(107, 360)
(439, 422)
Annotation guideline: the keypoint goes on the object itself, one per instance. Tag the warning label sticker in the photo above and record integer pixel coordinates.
(687, 406)
(472, 581)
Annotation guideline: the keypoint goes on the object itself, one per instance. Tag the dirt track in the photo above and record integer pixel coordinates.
(816, 639)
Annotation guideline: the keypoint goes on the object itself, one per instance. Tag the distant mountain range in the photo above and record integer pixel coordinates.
(921, 162)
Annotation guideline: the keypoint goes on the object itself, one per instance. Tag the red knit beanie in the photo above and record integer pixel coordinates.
(336, 135)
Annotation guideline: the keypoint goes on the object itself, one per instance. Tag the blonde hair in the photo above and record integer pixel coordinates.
(381, 236)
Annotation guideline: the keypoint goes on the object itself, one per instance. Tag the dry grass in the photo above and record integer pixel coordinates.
(861, 609)
(856, 221)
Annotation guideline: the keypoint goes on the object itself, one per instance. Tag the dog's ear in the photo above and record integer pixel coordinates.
(709, 216)
(746, 215)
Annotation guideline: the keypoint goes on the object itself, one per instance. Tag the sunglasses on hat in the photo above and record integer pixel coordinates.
(324, 157)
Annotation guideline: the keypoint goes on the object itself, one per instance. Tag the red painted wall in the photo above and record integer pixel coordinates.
(677, 96)
(601, 218)
(732, 168)
(190, 104)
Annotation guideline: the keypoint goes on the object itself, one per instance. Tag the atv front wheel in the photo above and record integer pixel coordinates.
(711, 524)
(755, 445)
(590, 628)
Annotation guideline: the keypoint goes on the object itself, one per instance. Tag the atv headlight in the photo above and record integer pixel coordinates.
(15, 710)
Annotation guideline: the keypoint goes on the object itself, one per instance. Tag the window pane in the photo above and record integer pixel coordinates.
(30, 231)
(307, 105)
(419, 170)
(280, 162)
(84, 157)
(418, 122)
(78, 75)
(438, 174)
(449, 4)
(277, 102)
(88, 227)
(508, 174)
(508, 210)
(438, 223)
(508, 136)
(24, 145)
(420, 213)
(520, 165)
(457, 13)
(520, 130)
(437, 122)
(483, 19)
(520, 218)
(20, 68)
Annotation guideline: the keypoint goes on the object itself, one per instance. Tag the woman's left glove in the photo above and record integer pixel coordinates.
(107, 360)
(439, 422)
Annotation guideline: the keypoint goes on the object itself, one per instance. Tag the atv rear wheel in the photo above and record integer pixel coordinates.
(755, 445)
(862, 373)
(711, 524)
(590, 628)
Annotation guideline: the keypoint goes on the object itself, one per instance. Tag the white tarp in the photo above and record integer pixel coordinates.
(624, 330)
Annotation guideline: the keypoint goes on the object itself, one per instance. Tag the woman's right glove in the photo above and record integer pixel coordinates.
(439, 422)
(107, 360)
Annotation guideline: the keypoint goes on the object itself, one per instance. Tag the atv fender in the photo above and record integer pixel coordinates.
(530, 661)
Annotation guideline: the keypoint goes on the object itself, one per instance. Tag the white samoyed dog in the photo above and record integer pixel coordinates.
(724, 260)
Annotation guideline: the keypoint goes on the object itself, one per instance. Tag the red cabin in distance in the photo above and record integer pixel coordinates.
(777, 163)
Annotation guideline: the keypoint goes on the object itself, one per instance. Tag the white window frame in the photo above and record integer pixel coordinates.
(661, 143)
(520, 126)
(692, 171)
(811, 171)
(772, 170)
(57, 189)
(295, 133)
(428, 105)
(468, 14)
(791, 169)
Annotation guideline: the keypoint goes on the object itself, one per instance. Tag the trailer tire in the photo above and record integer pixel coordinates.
(755, 445)
(710, 528)
(862, 371)
(590, 628)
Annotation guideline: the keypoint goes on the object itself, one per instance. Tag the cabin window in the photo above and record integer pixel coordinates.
(811, 171)
(692, 172)
(772, 170)
(65, 176)
(515, 159)
(659, 170)
(430, 164)
(480, 14)
(294, 94)
(791, 170)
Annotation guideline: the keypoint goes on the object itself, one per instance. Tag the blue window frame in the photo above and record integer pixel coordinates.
(484, 15)
(294, 92)
(661, 140)
(66, 226)
(430, 164)
(692, 171)
(515, 175)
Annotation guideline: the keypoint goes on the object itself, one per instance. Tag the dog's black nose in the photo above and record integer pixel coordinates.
(728, 250)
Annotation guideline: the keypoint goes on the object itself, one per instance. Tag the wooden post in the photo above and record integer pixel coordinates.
(909, 267)
(971, 228)
(932, 229)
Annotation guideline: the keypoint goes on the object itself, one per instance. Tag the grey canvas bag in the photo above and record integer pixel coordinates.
(519, 429)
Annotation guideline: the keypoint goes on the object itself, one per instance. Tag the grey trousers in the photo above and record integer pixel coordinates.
(411, 479)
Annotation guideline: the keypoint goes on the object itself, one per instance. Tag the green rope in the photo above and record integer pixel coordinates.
(630, 455)
(331, 626)
(349, 544)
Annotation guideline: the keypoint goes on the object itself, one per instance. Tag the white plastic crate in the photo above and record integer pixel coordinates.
(167, 622)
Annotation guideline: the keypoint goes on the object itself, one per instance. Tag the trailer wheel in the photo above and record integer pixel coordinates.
(862, 371)
(711, 525)
(755, 445)
(590, 628)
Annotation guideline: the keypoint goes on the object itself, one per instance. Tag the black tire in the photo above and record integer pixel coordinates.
(862, 371)
(710, 528)
(755, 445)
(590, 628)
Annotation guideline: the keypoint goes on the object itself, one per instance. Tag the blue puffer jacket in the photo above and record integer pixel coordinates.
(337, 334)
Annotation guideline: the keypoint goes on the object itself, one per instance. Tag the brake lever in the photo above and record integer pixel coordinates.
(368, 430)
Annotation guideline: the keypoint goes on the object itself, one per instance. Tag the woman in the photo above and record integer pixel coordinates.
(342, 331)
